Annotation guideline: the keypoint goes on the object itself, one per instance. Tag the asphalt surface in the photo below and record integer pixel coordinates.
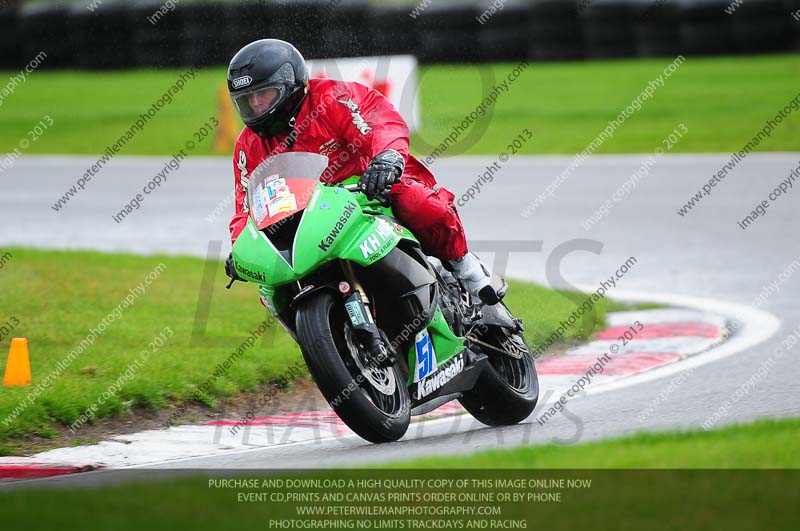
(703, 254)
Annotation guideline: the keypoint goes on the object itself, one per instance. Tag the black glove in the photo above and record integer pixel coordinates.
(383, 171)
(230, 269)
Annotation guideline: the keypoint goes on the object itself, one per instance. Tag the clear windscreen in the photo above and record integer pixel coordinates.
(281, 185)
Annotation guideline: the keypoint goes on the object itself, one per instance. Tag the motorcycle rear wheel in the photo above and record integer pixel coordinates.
(508, 389)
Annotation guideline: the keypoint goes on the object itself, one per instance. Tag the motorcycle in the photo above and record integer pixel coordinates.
(386, 331)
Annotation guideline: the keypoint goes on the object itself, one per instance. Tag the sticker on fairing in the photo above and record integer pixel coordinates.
(274, 185)
(279, 196)
(259, 201)
(379, 241)
(426, 356)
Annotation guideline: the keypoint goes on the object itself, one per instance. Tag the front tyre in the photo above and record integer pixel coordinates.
(508, 389)
(373, 401)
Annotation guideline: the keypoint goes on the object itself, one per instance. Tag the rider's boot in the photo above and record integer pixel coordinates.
(477, 279)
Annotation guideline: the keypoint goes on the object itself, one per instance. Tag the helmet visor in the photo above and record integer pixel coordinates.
(255, 103)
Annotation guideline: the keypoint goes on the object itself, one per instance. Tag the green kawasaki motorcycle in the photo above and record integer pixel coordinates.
(386, 331)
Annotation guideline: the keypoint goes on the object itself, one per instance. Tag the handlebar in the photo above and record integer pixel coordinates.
(358, 188)
(352, 187)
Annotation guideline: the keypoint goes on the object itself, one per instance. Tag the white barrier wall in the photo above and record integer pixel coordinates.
(395, 76)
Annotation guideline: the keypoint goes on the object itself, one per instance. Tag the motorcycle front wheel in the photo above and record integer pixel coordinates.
(373, 401)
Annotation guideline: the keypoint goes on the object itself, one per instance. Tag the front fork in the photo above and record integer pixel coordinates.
(357, 305)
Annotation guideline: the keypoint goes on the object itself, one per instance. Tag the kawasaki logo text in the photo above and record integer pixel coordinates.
(327, 241)
(446, 372)
(252, 274)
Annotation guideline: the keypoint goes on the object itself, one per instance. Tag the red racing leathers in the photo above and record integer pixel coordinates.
(350, 124)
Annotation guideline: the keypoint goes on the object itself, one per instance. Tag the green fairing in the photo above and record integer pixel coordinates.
(328, 228)
(445, 343)
(341, 224)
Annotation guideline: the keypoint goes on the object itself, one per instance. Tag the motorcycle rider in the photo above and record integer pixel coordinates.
(360, 132)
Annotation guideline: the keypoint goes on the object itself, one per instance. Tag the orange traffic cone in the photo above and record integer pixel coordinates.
(18, 368)
(228, 129)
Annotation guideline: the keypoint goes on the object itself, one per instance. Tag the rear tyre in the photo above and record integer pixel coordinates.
(508, 389)
(373, 401)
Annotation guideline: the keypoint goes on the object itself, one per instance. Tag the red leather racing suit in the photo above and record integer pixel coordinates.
(351, 124)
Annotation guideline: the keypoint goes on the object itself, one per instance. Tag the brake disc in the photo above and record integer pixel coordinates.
(381, 378)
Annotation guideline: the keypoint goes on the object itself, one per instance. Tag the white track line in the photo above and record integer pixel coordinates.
(756, 326)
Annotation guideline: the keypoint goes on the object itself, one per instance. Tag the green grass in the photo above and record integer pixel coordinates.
(761, 444)
(91, 110)
(58, 296)
(627, 500)
(722, 101)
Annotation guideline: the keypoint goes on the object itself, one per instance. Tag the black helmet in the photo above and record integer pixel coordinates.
(268, 81)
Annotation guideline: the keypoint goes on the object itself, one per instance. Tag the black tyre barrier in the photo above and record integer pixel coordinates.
(202, 42)
(794, 12)
(503, 35)
(102, 38)
(156, 37)
(10, 49)
(243, 24)
(555, 31)
(657, 29)
(45, 28)
(153, 33)
(705, 28)
(609, 29)
(448, 33)
(394, 32)
(303, 23)
(761, 26)
(346, 33)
